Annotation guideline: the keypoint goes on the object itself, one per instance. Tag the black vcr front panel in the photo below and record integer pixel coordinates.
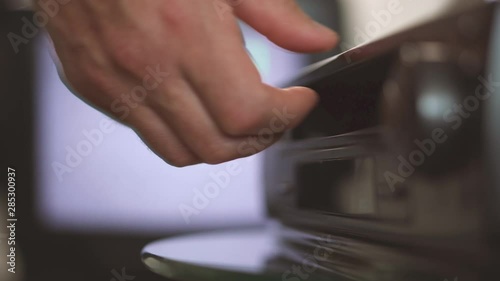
(400, 154)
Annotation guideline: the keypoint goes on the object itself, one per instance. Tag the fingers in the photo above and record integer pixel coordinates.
(284, 23)
(229, 86)
(162, 139)
(92, 82)
(181, 109)
(209, 103)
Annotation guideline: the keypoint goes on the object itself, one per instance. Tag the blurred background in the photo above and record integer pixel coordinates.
(90, 196)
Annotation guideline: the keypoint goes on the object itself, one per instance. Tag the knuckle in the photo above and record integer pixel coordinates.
(96, 78)
(170, 101)
(181, 161)
(216, 154)
(129, 56)
(178, 158)
(85, 66)
(89, 78)
(96, 81)
(242, 122)
(176, 17)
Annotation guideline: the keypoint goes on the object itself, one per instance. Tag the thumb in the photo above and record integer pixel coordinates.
(284, 23)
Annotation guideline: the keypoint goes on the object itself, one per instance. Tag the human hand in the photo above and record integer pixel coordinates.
(176, 71)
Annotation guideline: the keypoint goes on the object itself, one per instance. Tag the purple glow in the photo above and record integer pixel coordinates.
(121, 185)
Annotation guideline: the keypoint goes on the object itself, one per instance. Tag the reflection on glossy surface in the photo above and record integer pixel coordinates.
(393, 159)
(233, 255)
(248, 250)
(286, 254)
(226, 255)
(327, 183)
(251, 254)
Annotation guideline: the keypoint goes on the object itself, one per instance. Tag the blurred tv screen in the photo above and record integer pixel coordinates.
(96, 175)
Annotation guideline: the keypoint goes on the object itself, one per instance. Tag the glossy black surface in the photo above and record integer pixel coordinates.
(252, 254)
(402, 150)
(326, 182)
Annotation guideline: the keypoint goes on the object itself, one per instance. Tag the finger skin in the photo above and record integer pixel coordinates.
(284, 23)
(208, 104)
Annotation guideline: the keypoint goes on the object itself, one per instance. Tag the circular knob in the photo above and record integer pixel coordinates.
(430, 107)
